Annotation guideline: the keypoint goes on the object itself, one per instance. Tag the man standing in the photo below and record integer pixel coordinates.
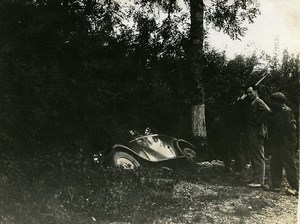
(283, 136)
(256, 134)
(234, 121)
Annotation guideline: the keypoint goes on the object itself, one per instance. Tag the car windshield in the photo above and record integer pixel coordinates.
(135, 133)
(134, 129)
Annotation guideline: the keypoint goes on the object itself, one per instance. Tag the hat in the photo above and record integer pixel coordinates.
(279, 97)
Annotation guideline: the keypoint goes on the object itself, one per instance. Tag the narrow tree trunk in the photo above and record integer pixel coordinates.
(196, 60)
(299, 115)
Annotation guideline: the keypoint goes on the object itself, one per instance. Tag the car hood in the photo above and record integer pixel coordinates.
(155, 147)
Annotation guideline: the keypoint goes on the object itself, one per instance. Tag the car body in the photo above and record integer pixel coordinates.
(149, 149)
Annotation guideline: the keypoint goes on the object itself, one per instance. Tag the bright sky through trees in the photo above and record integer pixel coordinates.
(278, 23)
(276, 29)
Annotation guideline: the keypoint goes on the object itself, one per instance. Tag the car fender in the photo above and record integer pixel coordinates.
(184, 141)
(122, 148)
(189, 152)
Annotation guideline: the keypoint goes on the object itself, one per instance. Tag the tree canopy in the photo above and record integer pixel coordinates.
(73, 72)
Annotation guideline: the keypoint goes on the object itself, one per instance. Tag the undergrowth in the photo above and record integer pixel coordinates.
(64, 187)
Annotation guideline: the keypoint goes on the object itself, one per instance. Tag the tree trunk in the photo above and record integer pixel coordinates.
(196, 60)
(298, 113)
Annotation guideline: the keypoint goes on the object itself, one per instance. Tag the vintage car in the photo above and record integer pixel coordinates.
(148, 149)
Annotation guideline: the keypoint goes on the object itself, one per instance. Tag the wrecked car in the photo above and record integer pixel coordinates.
(148, 149)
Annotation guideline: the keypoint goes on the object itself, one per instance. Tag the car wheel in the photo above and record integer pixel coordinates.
(124, 160)
(190, 155)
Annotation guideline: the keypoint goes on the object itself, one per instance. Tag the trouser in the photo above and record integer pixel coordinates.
(283, 156)
(257, 157)
(245, 150)
(232, 147)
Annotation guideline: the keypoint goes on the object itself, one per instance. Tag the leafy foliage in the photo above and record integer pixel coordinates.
(73, 72)
(230, 16)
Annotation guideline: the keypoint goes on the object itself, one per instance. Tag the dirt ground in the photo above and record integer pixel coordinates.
(77, 195)
(223, 199)
(227, 200)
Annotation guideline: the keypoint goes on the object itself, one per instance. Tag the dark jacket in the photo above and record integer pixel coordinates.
(258, 114)
(283, 124)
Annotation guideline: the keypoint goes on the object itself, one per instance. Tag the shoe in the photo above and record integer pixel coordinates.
(292, 192)
(266, 187)
(254, 185)
(276, 189)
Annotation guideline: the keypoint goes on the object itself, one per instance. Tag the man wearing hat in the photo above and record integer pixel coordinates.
(283, 138)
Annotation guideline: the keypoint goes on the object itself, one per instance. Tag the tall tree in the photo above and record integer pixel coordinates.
(196, 63)
(229, 16)
(65, 62)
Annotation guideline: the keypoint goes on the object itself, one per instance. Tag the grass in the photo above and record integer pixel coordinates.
(63, 187)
